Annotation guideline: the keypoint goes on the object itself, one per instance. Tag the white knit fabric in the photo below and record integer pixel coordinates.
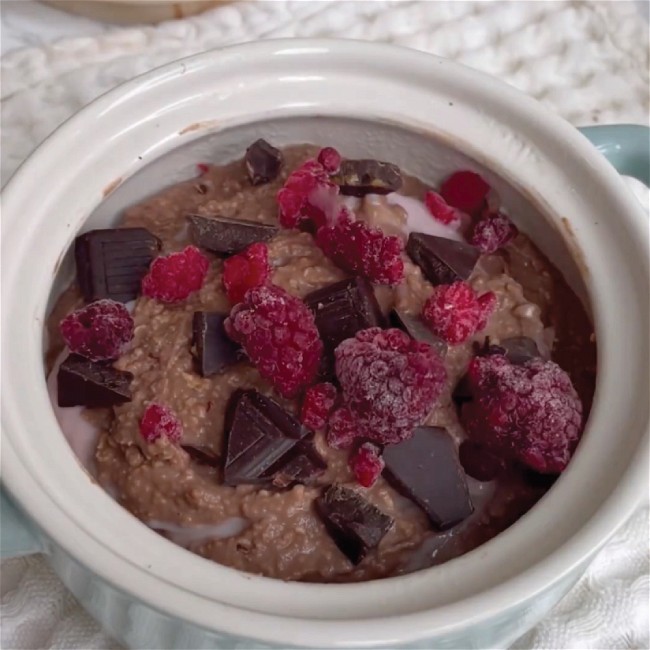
(586, 60)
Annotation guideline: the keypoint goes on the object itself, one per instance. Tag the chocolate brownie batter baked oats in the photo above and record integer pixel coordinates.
(321, 369)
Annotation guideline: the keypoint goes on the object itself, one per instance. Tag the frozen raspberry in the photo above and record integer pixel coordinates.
(158, 421)
(342, 429)
(528, 412)
(318, 402)
(466, 191)
(279, 335)
(357, 248)
(478, 462)
(98, 331)
(308, 194)
(390, 382)
(492, 232)
(246, 270)
(440, 210)
(330, 159)
(366, 464)
(454, 311)
(174, 277)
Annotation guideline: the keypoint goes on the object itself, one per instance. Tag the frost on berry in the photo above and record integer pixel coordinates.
(316, 407)
(174, 277)
(529, 412)
(390, 382)
(492, 232)
(360, 249)
(246, 270)
(342, 429)
(99, 331)
(366, 464)
(440, 210)
(466, 191)
(278, 333)
(455, 312)
(159, 421)
(330, 159)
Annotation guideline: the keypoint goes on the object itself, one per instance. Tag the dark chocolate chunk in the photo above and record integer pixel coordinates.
(263, 443)
(426, 470)
(361, 177)
(263, 162)
(355, 525)
(81, 382)
(417, 330)
(202, 455)
(212, 348)
(520, 349)
(462, 392)
(341, 310)
(443, 261)
(227, 236)
(111, 263)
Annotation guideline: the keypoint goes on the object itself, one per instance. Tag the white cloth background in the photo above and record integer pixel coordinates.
(586, 60)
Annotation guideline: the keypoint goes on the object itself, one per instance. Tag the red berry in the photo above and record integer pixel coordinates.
(330, 159)
(172, 278)
(202, 168)
(307, 194)
(530, 412)
(342, 429)
(367, 464)
(357, 248)
(454, 311)
(478, 462)
(492, 232)
(246, 270)
(466, 191)
(318, 402)
(98, 331)
(158, 421)
(390, 382)
(440, 210)
(279, 335)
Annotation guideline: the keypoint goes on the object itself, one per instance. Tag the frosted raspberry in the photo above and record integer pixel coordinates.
(454, 311)
(390, 382)
(246, 270)
(466, 191)
(160, 421)
(279, 335)
(318, 402)
(367, 464)
(172, 278)
(528, 412)
(492, 232)
(440, 210)
(342, 429)
(330, 159)
(98, 331)
(478, 462)
(357, 248)
(307, 194)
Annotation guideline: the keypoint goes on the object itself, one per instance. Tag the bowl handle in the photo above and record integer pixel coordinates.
(626, 146)
(17, 535)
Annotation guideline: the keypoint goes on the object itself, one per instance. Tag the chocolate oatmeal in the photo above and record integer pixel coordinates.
(281, 372)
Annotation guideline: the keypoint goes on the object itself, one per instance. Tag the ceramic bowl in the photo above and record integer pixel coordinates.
(429, 116)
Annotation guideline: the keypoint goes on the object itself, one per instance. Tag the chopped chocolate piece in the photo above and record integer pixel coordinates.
(227, 236)
(355, 525)
(443, 261)
(81, 382)
(202, 455)
(262, 443)
(461, 392)
(417, 330)
(212, 348)
(341, 310)
(520, 349)
(426, 469)
(361, 177)
(112, 262)
(263, 162)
